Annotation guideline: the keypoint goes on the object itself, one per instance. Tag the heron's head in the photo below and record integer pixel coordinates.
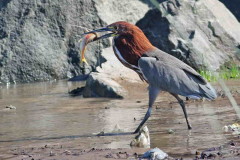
(129, 40)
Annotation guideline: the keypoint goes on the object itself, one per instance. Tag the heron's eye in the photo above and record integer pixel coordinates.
(115, 28)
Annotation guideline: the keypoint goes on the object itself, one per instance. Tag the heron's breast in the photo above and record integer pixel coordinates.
(123, 59)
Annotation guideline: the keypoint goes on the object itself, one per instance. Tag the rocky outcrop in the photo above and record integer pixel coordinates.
(115, 69)
(39, 39)
(202, 33)
(100, 85)
(233, 6)
(104, 83)
(111, 11)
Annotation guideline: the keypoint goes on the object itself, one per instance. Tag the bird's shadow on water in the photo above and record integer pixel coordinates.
(68, 137)
(76, 136)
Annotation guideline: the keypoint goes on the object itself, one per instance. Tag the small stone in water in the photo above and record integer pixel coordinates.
(170, 131)
(155, 154)
(225, 128)
(52, 154)
(67, 152)
(11, 107)
(101, 133)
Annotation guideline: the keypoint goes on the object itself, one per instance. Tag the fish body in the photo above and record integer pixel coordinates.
(83, 45)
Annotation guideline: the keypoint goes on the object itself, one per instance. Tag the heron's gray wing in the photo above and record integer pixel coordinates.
(192, 72)
(168, 74)
(170, 60)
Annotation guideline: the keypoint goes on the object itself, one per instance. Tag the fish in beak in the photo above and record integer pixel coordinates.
(93, 36)
(84, 41)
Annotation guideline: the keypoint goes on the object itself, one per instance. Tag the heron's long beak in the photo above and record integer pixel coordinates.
(93, 36)
(100, 30)
(103, 36)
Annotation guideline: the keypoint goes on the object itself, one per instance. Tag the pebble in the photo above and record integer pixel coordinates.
(170, 131)
(155, 154)
(52, 154)
(68, 152)
(142, 139)
(11, 107)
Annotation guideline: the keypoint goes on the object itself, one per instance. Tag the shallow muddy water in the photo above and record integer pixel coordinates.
(45, 112)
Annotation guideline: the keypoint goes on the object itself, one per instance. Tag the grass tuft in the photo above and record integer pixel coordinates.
(232, 72)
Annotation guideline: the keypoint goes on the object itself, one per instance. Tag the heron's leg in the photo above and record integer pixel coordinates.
(181, 102)
(153, 93)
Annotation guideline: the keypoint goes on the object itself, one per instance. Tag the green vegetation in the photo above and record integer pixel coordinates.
(208, 75)
(226, 73)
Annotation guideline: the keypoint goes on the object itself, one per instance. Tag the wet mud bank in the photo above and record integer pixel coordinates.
(48, 123)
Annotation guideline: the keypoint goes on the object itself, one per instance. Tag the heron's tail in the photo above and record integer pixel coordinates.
(208, 91)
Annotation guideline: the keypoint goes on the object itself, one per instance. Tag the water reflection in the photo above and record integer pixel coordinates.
(46, 110)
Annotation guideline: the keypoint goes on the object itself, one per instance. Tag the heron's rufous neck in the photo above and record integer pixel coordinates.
(133, 45)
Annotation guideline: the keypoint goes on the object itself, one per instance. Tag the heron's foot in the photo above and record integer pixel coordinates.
(136, 131)
(189, 127)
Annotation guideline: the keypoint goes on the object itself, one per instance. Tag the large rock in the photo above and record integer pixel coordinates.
(125, 10)
(39, 39)
(105, 82)
(233, 6)
(202, 33)
(100, 85)
(115, 69)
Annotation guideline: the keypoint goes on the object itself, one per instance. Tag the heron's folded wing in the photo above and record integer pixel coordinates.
(173, 62)
(169, 75)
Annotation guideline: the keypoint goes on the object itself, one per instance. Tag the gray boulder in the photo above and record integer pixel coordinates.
(115, 69)
(111, 11)
(39, 39)
(202, 33)
(100, 85)
(233, 6)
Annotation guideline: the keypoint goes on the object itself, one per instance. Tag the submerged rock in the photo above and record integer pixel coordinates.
(117, 129)
(77, 92)
(100, 85)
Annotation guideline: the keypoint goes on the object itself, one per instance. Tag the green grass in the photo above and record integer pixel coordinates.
(208, 75)
(232, 72)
